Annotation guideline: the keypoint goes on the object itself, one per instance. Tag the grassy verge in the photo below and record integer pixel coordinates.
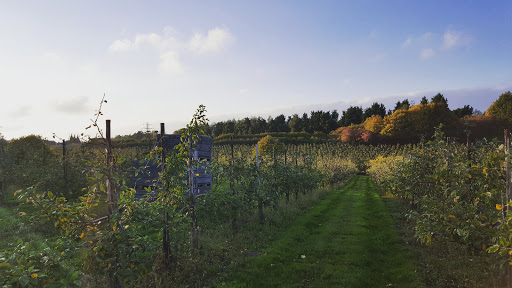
(223, 251)
(447, 264)
(15, 225)
(347, 240)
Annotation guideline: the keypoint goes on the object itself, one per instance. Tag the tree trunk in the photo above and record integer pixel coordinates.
(192, 200)
(260, 210)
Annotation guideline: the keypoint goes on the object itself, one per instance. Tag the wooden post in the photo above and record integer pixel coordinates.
(44, 154)
(469, 148)
(166, 243)
(111, 193)
(274, 155)
(287, 191)
(507, 166)
(234, 221)
(64, 167)
(260, 199)
(192, 197)
(162, 136)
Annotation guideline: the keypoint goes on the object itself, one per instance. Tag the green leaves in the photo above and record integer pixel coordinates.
(453, 197)
(36, 264)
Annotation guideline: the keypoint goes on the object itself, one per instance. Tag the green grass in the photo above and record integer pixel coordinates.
(15, 226)
(348, 240)
(8, 223)
(224, 251)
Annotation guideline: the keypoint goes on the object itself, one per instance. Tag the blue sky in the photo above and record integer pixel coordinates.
(156, 61)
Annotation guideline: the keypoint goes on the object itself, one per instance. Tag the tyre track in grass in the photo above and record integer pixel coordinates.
(348, 240)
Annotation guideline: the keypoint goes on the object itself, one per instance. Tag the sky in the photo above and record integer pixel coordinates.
(157, 61)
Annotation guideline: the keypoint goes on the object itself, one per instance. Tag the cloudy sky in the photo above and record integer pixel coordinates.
(157, 61)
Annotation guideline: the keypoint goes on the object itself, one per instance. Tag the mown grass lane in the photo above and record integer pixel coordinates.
(348, 240)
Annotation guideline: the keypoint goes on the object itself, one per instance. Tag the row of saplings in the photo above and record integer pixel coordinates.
(144, 243)
(456, 193)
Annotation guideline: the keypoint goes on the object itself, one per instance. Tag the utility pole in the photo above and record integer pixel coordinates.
(147, 128)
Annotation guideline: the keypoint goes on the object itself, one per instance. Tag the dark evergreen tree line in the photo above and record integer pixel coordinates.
(319, 121)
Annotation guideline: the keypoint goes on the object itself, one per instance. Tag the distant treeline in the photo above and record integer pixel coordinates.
(407, 122)
(317, 121)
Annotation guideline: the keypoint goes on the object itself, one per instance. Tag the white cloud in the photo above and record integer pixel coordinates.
(75, 105)
(422, 44)
(427, 36)
(170, 47)
(170, 64)
(163, 42)
(455, 39)
(450, 40)
(21, 111)
(427, 53)
(216, 40)
(121, 45)
(406, 43)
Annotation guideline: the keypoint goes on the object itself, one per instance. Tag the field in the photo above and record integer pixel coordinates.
(305, 212)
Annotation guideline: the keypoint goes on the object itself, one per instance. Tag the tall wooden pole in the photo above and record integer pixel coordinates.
(192, 197)
(64, 166)
(166, 242)
(507, 166)
(469, 148)
(111, 193)
(508, 190)
(234, 221)
(260, 198)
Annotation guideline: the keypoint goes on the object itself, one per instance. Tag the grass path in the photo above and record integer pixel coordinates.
(348, 240)
(14, 227)
(7, 225)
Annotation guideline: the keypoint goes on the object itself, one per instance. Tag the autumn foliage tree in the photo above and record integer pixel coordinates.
(501, 108)
(355, 135)
(269, 146)
(397, 125)
(419, 122)
(374, 124)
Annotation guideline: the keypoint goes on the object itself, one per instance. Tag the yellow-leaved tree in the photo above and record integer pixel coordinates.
(269, 146)
(374, 124)
(501, 108)
(419, 122)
